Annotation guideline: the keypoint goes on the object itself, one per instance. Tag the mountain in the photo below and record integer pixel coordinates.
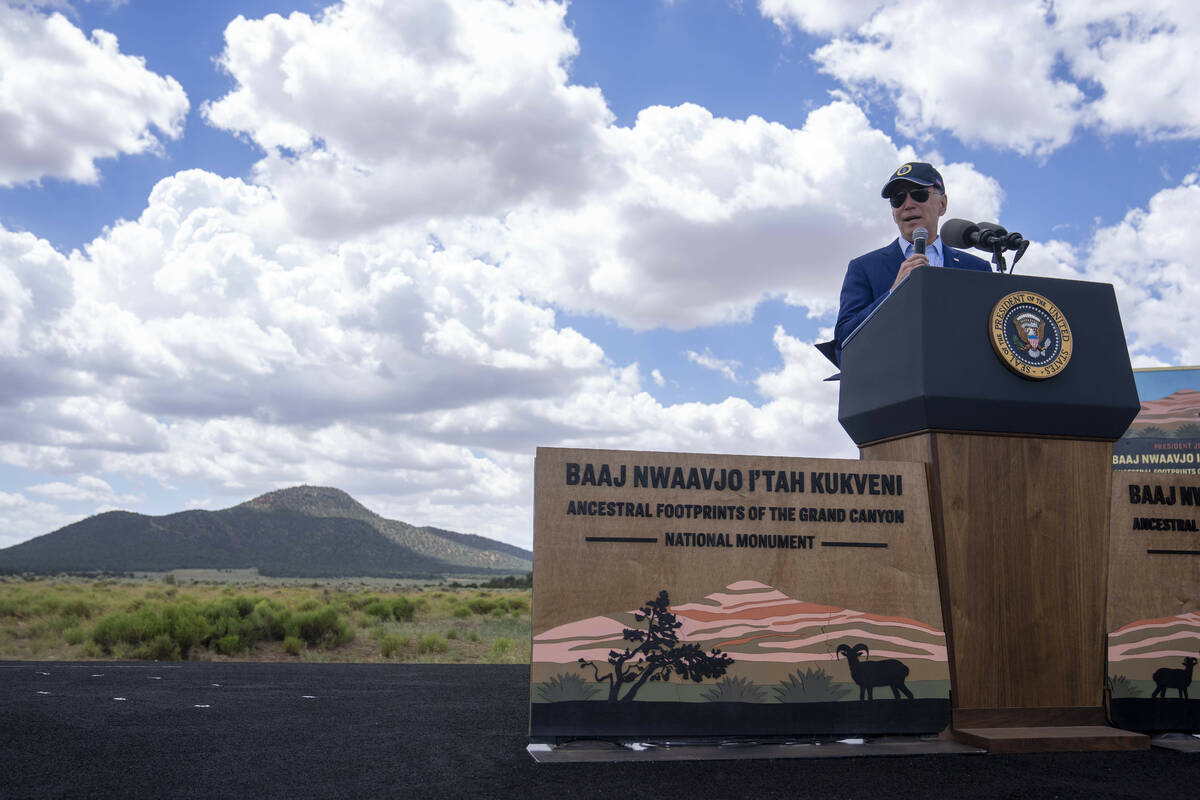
(304, 531)
(1150, 643)
(1176, 415)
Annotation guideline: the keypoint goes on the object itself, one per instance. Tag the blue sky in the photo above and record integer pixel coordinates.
(395, 247)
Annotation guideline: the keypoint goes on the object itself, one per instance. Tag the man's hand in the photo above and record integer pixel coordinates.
(910, 263)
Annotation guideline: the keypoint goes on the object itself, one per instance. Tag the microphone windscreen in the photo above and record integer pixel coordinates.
(957, 233)
(920, 237)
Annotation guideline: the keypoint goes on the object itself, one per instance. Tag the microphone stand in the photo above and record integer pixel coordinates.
(998, 257)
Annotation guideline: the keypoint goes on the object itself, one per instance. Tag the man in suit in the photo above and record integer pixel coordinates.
(917, 195)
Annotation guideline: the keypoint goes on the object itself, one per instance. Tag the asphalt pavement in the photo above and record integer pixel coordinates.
(221, 730)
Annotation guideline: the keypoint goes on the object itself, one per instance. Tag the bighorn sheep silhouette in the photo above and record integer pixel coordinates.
(1178, 679)
(869, 674)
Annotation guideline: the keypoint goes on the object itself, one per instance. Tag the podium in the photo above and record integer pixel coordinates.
(1020, 477)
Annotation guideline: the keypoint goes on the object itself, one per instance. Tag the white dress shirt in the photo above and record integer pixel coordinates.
(933, 252)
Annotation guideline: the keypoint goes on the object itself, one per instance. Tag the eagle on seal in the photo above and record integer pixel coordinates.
(1032, 331)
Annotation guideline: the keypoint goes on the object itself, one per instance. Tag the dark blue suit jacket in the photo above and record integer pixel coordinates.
(869, 279)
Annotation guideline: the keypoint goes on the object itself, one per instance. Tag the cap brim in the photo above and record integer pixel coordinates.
(887, 187)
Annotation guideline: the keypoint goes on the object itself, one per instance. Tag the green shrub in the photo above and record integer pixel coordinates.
(735, 690)
(233, 608)
(518, 604)
(1188, 430)
(340, 605)
(1121, 686)
(171, 631)
(244, 605)
(185, 627)
(404, 609)
(378, 608)
(511, 582)
(160, 648)
(10, 607)
(565, 687)
(481, 605)
(322, 627)
(810, 686)
(229, 645)
(360, 602)
(160, 619)
(231, 625)
(501, 648)
(392, 645)
(292, 645)
(114, 629)
(77, 608)
(432, 643)
(269, 620)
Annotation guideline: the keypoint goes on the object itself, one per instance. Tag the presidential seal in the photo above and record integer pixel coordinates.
(1030, 335)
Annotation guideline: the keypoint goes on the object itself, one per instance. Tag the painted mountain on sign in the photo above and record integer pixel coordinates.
(767, 633)
(1151, 674)
(1137, 649)
(304, 531)
(1176, 416)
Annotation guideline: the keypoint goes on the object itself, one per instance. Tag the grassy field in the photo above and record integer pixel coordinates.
(174, 617)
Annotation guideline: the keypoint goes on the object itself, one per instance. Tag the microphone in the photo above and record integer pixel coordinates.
(920, 237)
(960, 233)
(991, 234)
(1016, 241)
(987, 236)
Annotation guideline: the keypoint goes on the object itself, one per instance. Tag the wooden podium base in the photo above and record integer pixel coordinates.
(1049, 739)
(1021, 530)
(1042, 730)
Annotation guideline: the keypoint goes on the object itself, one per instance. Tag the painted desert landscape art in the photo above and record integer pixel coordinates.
(1151, 663)
(745, 658)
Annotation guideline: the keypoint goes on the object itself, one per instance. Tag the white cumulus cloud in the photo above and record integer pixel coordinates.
(726, 367)
(465, 121)
(1149, 258)
(68, 100)
(85, 489)
(1015, 74)
(378, 111)
(710, 216)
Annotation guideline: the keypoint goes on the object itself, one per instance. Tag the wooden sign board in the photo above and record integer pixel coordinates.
(687, 595)
(1154, 601)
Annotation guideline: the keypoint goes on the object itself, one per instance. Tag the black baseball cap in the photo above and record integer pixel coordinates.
(917, 172)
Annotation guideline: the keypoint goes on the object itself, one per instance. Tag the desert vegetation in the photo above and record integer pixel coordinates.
(163, 618)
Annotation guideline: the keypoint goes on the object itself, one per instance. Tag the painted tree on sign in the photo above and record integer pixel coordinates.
(658, 654)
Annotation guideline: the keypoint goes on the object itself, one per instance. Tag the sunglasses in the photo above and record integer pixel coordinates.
(897, 199)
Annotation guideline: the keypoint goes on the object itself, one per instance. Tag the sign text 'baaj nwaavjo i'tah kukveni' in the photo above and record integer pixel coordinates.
(698, 595)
